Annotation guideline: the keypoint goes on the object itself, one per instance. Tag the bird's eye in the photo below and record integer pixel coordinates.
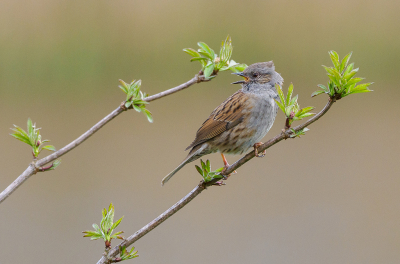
(255, 75)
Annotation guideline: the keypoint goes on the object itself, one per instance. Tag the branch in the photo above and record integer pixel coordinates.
(201, 186)
(34, 167)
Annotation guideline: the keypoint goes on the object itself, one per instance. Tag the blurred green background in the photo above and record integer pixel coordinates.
(330, 197)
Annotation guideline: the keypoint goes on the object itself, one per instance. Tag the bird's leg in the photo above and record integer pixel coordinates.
(226, 165)
(255, 146)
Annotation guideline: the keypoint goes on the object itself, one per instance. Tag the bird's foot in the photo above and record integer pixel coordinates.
(226, 166)
(255, 146)
(229, 175)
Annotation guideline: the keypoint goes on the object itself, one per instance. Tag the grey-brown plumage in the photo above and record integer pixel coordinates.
(242, 120)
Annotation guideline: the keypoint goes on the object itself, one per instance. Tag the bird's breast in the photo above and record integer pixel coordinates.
(262, 116)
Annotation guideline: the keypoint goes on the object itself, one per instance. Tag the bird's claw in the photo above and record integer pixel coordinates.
(256, 150)
(229, 175)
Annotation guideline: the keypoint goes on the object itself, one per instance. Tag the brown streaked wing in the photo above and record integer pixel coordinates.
(224, 117)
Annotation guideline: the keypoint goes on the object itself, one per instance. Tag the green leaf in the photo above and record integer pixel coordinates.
(117, 234)
(354, 81)
(362, 88)
(49, 147)
(280, 94)
(219, 170)
(92, 235)
(21, 138)
(136, 107)
(348, 69)
(97, 228)
(128, 104)
(317, 93)
(207, 49)
(345, 61)
(348, 76)
(225, 52)
(132, 249)
(293, 101)
(56, 163)
(359, 91)
(191, 52)
(208, 70)
(303, 115)
(307, 109)
(281, 106)
(116, 224)
(323, 87)
(207, 55)
(199, 170)
(203, 165)
(123, 89)
(335, 59)
(148, 115)
(289, 93)
(30, 127)
(331, 88)
(238, 67)
(21, 131)
(199, 59)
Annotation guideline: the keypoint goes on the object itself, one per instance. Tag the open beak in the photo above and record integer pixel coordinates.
(240, 74)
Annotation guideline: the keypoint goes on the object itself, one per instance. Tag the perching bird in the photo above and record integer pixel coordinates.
(242, 120)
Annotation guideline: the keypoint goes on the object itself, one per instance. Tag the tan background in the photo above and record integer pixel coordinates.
(329, 197)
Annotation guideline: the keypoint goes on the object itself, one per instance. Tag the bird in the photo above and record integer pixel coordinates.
(242, 120)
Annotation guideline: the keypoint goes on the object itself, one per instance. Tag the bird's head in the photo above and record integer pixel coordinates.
(261, 72)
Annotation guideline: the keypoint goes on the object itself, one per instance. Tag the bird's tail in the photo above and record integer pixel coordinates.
(193, 155)
(172, 173)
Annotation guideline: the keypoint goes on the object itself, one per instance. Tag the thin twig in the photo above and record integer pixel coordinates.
(33, 166)
(196, 79)
(201, 186)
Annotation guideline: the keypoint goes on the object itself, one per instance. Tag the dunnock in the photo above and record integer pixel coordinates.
(242, 120)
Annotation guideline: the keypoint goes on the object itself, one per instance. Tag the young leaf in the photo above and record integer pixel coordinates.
(289, 93)
(281, 106)
(207, 49)
(335, 59)
(208, 70)
(30, 127)
(345, 61)
(349, 75)
(49, 147)
(349, 68)
(207, 55)
(21, 138)
(280, 93)
(317, 93)
(198, 59)
(203, 165)
(148, 115)
(199, 170)
(191, 52)
(236, 67)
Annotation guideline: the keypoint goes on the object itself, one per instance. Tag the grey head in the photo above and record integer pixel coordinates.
(259, 76)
